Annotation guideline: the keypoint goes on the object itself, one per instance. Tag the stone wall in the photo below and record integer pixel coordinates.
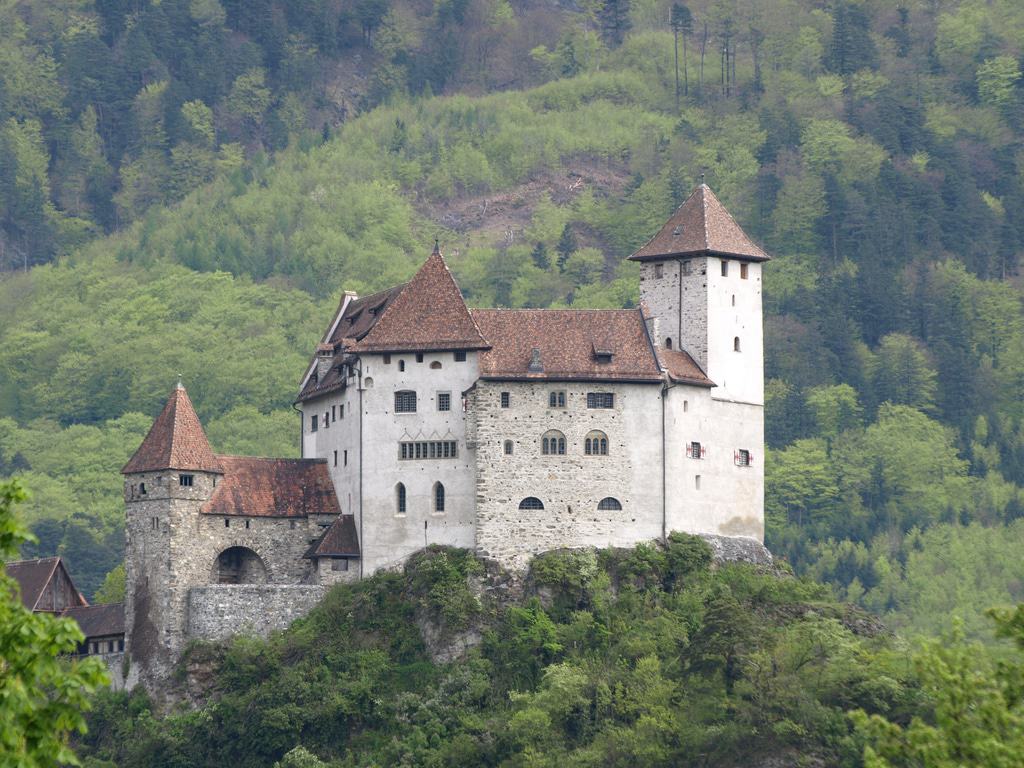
(570, 485)
(218, 611)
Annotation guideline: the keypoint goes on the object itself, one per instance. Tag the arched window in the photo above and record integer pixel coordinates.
(239, 565)
(668, 343)
(609, 502)
(531, 502)
(596, 444)
(400, 498)
(508, 447)
(438, 497)
(553, 443)
(736, 344)
(436, 365)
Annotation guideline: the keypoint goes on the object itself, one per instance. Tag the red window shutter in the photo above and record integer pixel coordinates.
(689, 450)
(703, 451)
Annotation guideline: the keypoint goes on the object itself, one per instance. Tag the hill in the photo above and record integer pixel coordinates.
(875, 151)
(644, 657)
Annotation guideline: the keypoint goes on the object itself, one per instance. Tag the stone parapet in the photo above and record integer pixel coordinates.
(219, 611)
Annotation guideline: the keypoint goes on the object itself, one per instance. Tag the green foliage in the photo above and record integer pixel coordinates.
(112, 588)
(43, 695)
(729, 663)
(974, 709)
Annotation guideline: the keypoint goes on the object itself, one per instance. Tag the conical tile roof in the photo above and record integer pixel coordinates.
(175, 441)
(701, 225)
(428, 314)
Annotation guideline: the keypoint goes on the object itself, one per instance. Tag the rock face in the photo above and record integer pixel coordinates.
(730, 549)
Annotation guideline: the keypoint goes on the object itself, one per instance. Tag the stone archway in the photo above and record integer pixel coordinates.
(239, 565)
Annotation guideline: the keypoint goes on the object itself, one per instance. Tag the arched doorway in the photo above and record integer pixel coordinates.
(239, 565)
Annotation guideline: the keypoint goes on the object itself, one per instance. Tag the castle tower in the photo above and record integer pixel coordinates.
(170, 477)
(700, 280)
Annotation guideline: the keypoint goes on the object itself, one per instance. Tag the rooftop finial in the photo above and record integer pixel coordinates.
(437, 247)
(180, 385)
(702, 178)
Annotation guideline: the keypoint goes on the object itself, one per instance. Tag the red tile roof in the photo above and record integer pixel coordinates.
(257, 487)
(340, 540)
(427, 314)
(682, 368)
(98, 620)
(34, 576)
(175, 441)
(567, 342)
(701, 225)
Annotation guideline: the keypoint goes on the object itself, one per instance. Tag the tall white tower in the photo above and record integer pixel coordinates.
(700, 280)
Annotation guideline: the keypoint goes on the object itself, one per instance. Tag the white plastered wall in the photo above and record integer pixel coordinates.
(386, 537)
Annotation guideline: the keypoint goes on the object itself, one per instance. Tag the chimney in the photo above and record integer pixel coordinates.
(324, 360)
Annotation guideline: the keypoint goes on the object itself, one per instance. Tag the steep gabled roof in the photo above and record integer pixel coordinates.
(175, 441)
(427, 314)
(701, 225)
(34, 576)
(340, 540)
(258, 487)
(570, 344)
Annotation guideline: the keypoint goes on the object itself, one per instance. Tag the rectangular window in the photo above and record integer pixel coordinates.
(335, 458)
(659, 271)
(695, 450)
(227, 523)
(460, 357)
(401, 365)
(556, 399)
(444, 401)
(506, 399)
(686, 267)
(742, 458)
(334, 413)
(387, 359)
(725, 268)
(600, 400)
(342, 409)
(419, 357)
(405, 402)
(185, 481)
(743, 271)
(327, 419)
(428, 449)
(344, 458)
(339, 564)
(314, 424)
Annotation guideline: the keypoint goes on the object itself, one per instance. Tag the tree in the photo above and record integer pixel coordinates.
(997, 81)
(901, 373)
(977, 716)
(566, 246)
(43, 696)
(613, 16)
(681, 21)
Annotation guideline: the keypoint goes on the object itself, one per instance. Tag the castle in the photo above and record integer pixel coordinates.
(507, 431)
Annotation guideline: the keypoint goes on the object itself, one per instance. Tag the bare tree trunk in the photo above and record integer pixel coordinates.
(703, 48)
(686, 78)
(675, 41)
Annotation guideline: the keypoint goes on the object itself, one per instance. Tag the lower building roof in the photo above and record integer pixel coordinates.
(258, 487)
(340, 540)
(98, 620)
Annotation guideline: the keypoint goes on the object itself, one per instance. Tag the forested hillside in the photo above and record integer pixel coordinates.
(195, 183)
